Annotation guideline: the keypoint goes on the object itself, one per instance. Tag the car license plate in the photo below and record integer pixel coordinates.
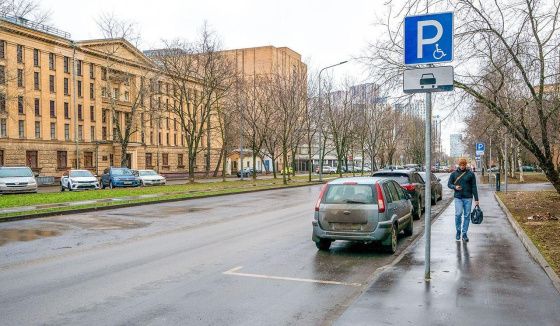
(347, 226)
(128, 182)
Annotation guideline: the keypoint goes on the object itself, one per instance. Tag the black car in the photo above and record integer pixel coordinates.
(412, 182)
(436, 187)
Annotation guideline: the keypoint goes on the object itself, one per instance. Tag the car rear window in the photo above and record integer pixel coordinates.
(400, 178)
(350, 194)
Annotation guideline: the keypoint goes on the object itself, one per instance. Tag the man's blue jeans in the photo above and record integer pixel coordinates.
(462, 208)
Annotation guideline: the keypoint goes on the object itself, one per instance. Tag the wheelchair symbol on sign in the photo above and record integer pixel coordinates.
(438, 53)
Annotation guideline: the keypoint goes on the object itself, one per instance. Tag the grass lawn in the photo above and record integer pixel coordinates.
(529, 177)
(545, 234)
(162, 192)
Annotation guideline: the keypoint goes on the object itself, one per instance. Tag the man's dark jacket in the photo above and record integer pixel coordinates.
(467, 183)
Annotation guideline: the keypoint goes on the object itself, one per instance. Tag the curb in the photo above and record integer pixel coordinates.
(530, 246)
(161, 201)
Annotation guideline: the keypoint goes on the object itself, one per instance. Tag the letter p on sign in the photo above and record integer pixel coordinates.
(428, 38)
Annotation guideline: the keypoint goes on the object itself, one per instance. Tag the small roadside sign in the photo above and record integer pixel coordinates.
(424, 80)
(428, 38)
(479, 149)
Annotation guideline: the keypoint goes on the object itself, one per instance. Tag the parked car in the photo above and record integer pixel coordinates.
(412, 182)
(414, 167)
(436, 187)
(365, 209)
(78, 180)
(17, 180)
(527, 168)
(246, 172)
(150, 178)
(119, 177)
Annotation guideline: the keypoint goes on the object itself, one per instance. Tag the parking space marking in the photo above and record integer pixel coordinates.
(233, 271)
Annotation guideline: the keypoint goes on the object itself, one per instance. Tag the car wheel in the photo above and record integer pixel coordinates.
(410, 227)
(434, 199)
(110, 184)
(61, 187)
(392, 246)
(69, 186)
(323, 244)
(102, 185)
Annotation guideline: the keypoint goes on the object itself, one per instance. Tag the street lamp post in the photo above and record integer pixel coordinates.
(320, 121)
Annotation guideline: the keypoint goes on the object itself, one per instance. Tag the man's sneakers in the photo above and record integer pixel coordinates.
(458, 236)
(465, 238)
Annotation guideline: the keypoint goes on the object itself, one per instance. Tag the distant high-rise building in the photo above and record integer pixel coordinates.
(456, 146)
(415, 108)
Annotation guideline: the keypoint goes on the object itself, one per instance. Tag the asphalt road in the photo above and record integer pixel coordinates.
(243, 259)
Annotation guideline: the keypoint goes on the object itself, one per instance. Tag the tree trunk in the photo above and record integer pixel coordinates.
(192, 162)
(254, 174)
(215, 174)
(224, 164)
(285, 164)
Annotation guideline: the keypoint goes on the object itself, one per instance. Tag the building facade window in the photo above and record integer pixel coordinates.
(51, 83)
(104, 116)
(52, 64)
(2, 75)
(53, 130)
(180, 162)
(19, 54)
(3, 128)
(20, 105)
(165, 159)
(66, 91)
(115, 134)
(92, 133)
(91, 71)
(32, 159)
(36, 81)
(104, 133)
(79, 67)
(91, 91)
(103, 73)
(80, 113)
(36, 57)
(52, 109)
(37, 107)
(2, 49)
(1, 157)
(66, 64)
(88, 160)
(149, 160)
(66, 111)
(66, 131)
(20, 79)
(37, 130)
(92, 113)
(80, 132)
(2, 102)
(61, 160)
(79, 88)
(21, 128)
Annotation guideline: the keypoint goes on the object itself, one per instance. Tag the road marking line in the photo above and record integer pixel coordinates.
(233, 271)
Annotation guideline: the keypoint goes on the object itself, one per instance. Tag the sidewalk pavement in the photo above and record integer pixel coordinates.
(490, 280)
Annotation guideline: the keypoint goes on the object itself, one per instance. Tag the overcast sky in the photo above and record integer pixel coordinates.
(324, 32)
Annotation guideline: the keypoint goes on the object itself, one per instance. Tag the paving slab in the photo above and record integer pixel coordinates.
(491, 280)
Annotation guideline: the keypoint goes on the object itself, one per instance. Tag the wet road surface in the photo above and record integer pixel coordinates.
(244, 259)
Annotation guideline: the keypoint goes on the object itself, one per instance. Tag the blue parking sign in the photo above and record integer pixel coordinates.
(428, 38)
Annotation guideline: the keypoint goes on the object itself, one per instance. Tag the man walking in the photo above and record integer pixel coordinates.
(463, 181)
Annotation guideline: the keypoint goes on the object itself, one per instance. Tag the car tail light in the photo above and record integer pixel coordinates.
(409, 187)
(380, 198)
(323, 189)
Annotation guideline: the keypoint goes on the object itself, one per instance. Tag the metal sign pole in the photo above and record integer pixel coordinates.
(428, 190)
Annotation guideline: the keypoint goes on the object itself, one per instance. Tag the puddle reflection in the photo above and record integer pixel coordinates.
(16, 235)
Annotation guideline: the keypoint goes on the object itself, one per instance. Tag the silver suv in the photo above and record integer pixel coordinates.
(365, 209)
(17, 179)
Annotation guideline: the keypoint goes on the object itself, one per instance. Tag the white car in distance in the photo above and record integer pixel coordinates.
(78, 180)
(150, 178)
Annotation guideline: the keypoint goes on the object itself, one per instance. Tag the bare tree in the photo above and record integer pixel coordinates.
(121, 86)
(201, 76)
(27, 9)
(507, 63)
